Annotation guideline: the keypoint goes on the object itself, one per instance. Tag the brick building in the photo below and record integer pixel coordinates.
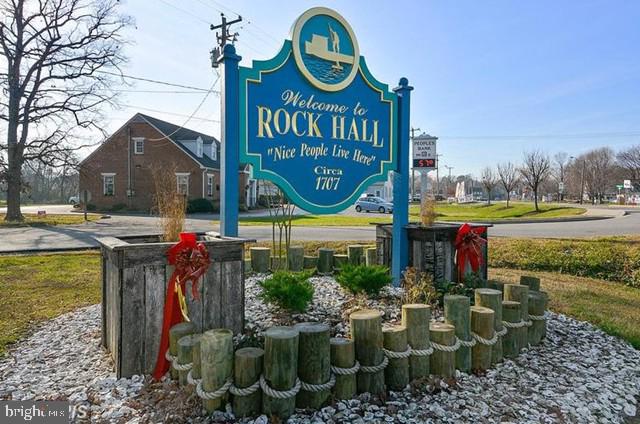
(119, 172)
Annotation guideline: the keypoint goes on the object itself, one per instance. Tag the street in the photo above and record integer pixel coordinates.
(82, 235)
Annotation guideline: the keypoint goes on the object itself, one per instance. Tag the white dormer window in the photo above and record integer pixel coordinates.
(199, 148)
(138, 145)
(214, 151)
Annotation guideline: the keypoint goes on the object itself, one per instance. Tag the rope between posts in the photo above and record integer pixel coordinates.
(191, 380)
(446, 348)
(215, 394)
(502, 332)
(245, 391)
(398, 355)
(528, 323)
(519, 324)
(537, 317)
(486, 342)
(315, 388)
(169, 357)
(181, 367)
(375, 368)
(346, 371)
(279, 394)
(468, 343)
(421, 352)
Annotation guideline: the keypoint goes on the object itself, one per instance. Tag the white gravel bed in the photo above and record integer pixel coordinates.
(578, 375)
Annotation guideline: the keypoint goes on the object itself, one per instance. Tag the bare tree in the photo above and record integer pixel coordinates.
(599, 173)
(629, 160)
(60, 60)
(534, 171)
(489, 182)
(561, 161)
(509, 178)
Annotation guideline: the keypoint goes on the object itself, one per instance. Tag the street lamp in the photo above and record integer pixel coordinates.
(584, 164)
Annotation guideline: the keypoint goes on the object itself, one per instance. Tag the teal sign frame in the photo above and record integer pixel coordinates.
(323, 139)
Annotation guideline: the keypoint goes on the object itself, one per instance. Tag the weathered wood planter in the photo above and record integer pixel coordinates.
(134, 284)
(431, 249)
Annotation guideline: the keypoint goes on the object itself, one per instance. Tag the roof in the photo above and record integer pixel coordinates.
(180, 135)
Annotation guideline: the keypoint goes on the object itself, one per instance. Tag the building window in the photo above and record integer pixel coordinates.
(108, 184)
(214, 151)
(199, 148)
(210, 185)
(138, 145)
(182, 179)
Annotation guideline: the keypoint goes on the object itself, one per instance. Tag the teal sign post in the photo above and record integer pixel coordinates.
(314, 121)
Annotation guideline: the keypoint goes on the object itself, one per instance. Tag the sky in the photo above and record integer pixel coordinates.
(492, 79)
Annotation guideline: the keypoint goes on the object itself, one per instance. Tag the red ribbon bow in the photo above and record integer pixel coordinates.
(191, 261)
(469, 248)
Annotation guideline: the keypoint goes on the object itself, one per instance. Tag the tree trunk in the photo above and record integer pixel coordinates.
(508, 199)
(14, 184)
(535, 199)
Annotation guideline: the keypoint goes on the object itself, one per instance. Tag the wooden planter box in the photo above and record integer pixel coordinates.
(431, 249)
(134, 285)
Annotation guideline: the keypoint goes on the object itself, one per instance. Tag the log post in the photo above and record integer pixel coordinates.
(177, 332)
(537, 306)
(492, 299)
(216, 356)
(196, 371)
(457, 313)
(247, 370)
(247, 265)
(482, 325)
(310, 262)
(371, 256)
(343, 355)
(443, 363)
(520, 293)
(366, 332)
(339, 260)
(416, 318)
(546, 307)
(355, 253)
(532, 282)
(396, 375)
(280, 371)
(511, 341)
(496, 285)
(260, 259)
(325, 261)
(185, 355)
(314, 363)
(295, 257)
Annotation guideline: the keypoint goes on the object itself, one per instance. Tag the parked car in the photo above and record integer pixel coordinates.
(74, 200)
(372, 203)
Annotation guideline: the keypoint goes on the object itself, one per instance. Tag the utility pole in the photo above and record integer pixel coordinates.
(437, 174)
(413, 171)
(449, 180)
(223, 37)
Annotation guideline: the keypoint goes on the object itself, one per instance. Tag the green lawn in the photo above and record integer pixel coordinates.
(41, 287)
(446, 212)
(51, 219)
(613, 307)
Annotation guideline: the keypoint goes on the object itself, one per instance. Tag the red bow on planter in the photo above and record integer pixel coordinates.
(469, 248)
(191, 261)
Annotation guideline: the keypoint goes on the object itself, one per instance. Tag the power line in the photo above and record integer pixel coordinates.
(192, 114)
(169, 84)
(193, 15)
(130, 106)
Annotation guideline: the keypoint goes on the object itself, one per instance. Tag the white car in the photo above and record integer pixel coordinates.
(74, 200)
(372, 203)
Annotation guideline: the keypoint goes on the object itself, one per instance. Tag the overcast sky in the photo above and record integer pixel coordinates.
(491, 78)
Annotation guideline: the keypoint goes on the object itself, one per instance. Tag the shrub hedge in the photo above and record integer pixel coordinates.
(612, 258)
(290, 290)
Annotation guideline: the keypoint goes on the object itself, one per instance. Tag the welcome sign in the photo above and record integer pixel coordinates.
(313, 119)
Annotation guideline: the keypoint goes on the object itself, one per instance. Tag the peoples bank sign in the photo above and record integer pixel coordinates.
(314, 120)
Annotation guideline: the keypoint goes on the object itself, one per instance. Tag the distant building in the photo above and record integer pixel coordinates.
(119, 172)
(383, 189)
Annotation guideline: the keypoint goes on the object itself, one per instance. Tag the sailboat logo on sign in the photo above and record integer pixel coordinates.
(325, 49)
